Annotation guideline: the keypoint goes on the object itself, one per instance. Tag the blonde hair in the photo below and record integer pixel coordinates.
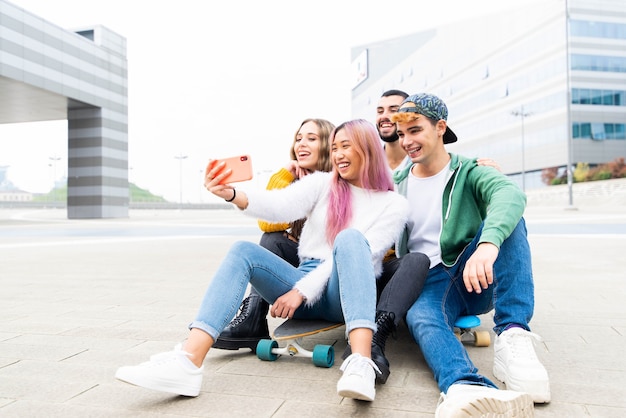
(405, 117)
(325, 129)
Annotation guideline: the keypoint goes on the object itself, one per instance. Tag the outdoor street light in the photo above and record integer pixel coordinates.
(568, 105)
(54, 160)
(180, 157)
(522, 114)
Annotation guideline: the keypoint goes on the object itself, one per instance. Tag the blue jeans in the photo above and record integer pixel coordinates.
(349, 296)
(279, 243)
(444, 299)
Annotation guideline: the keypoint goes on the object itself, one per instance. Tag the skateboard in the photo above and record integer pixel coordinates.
(465, 332)
(289, 334)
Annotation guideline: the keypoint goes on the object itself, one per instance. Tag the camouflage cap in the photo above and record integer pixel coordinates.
(430, 106)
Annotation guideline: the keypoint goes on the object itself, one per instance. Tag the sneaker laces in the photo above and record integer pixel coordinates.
(522, 344)
(160, 359)
(169, 354)
(358, 364)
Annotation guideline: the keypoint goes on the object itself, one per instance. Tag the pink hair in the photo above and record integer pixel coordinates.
(374, 174)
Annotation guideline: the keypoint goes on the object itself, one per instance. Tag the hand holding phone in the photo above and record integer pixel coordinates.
(240, 166)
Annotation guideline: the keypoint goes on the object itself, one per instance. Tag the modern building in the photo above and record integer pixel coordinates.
(49, 73)
(535, 88)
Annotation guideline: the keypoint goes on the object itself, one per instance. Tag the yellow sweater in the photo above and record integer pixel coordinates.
(279, 180)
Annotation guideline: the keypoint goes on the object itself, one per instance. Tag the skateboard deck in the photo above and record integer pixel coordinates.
(290, 334)
(465, 332)
(298, 328)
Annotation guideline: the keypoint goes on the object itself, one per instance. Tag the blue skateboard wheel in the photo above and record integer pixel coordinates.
(264, 350)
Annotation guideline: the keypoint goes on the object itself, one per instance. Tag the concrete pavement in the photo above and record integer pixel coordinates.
(79, 298)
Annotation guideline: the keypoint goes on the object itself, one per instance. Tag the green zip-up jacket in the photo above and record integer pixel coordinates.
(472, 195)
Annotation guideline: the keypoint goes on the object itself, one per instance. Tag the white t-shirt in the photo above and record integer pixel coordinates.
(425, 217)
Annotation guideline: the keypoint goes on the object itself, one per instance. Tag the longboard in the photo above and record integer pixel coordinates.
(290, 333)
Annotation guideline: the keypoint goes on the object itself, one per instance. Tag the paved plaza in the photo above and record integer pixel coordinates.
(79, 298)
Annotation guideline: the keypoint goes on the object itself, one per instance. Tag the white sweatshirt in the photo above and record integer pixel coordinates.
(379, 216)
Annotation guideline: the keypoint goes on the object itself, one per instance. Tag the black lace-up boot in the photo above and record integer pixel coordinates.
(385, 326)
(247, 328)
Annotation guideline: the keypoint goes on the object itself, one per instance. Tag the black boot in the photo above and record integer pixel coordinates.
(247, 328)
(385, 325)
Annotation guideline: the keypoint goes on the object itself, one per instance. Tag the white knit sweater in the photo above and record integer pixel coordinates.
(380, 216)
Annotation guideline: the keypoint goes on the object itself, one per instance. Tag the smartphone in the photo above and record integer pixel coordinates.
(241, 167)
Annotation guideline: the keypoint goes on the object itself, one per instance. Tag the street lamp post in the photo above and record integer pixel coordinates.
(568, 104)
(180, 157)
(54, 160)
(522, 115)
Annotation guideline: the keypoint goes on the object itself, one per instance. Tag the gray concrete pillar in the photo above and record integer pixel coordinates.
(97, 183)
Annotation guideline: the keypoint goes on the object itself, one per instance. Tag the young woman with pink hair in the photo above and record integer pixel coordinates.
(353, 216)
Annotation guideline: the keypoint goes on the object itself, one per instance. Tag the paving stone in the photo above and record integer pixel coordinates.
(97, 301)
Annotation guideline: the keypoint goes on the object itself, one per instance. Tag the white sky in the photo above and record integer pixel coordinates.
(211, 79)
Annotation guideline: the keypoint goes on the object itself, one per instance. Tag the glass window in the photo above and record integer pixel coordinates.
(583, 129)
(582, 62)
(585, 96)
(597, 131)
(599, 97)
(596, 97)
(620, 131)
(609, 129)
(597, 29)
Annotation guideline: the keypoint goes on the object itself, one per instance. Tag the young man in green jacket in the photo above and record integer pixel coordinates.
(468, 220)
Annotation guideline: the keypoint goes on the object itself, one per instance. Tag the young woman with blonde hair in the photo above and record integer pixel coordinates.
(309, 152)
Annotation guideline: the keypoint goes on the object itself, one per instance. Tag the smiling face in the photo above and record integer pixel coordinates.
(307, 146)
(346, 159)
(387, 106)
(423, 143)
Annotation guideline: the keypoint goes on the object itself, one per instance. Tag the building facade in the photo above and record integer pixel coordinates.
(536, 88)
(50, 73)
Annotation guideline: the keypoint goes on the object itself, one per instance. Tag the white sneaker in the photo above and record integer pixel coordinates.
(464, 401)
(359, 375)
(516, 364)
(170, 372)
(159, 356)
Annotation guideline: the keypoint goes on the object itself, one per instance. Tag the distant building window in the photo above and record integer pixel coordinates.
(599, 97)
(582, 62)
(599, 131)
(589, 29)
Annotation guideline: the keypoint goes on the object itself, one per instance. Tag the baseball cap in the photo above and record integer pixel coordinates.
(430, 106)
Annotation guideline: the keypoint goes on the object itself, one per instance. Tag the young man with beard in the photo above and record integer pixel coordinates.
(389, 104)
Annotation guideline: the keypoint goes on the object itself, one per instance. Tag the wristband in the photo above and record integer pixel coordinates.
(234, 196)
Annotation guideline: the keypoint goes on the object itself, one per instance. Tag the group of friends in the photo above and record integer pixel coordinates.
(388, 226)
